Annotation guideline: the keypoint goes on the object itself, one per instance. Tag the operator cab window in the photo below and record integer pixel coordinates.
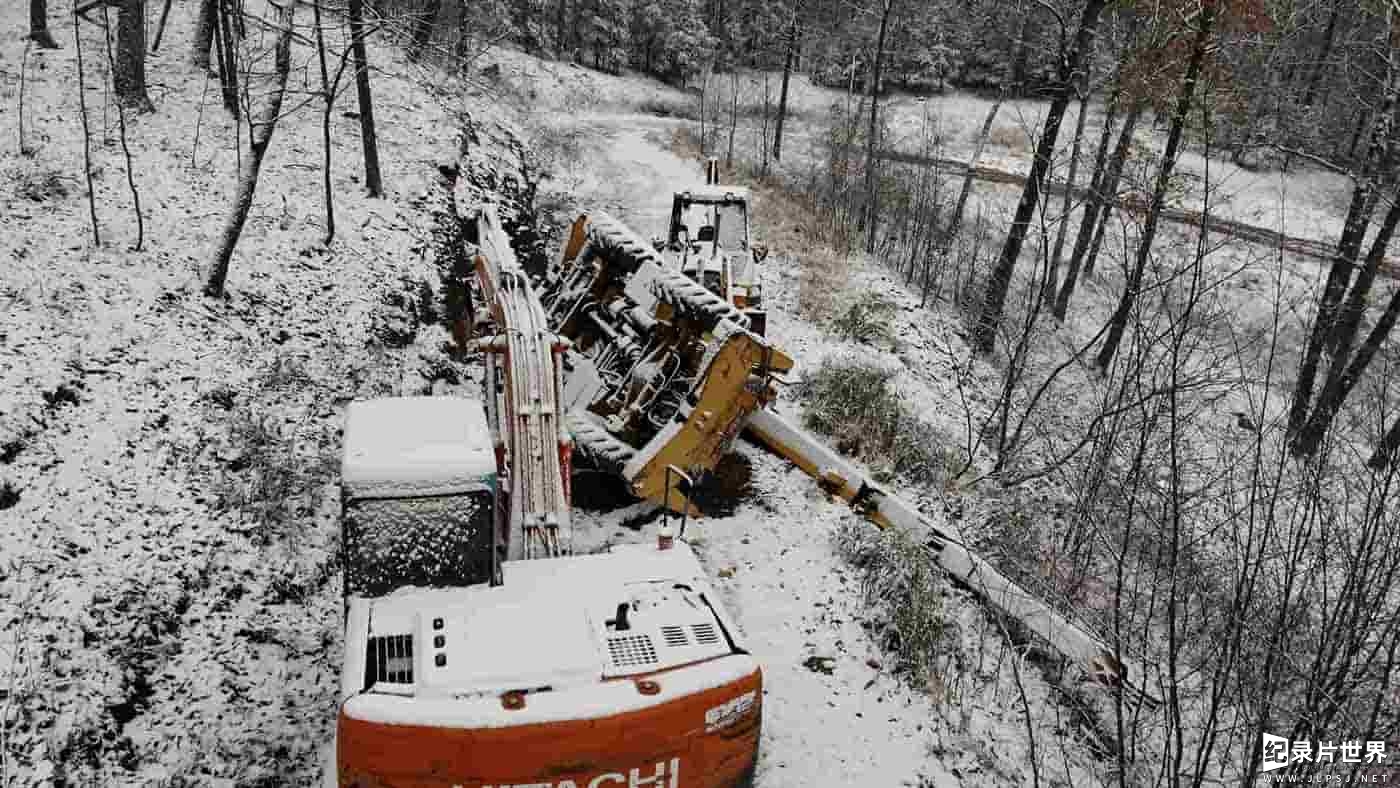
(732, 226)
(438, 541)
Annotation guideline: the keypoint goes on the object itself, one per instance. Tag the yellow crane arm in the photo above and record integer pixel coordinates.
(849, 481)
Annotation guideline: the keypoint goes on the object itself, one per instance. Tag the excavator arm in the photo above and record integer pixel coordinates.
(847, 480)
(523, 395)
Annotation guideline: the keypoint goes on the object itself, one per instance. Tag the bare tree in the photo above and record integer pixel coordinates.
(130, 72)
(225, 33)
(87, 134)
(204, 25)
(733, 115)
(1052, 272)
(367, 135)
(126, 147)
(984, 335)
(794, 43)
(872, 133)
(1119, 322)
(1102, 194)
(961, 207)
(1344, 374)
(260, 135)
(1363, 199)
(160, 26)
(423, 28)
(39, 25)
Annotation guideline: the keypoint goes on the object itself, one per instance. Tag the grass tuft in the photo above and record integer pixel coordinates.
(855, 403)
(905, 591)
(866, 319)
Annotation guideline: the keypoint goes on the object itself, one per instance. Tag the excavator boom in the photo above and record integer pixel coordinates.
(845, 479)
(523, 389)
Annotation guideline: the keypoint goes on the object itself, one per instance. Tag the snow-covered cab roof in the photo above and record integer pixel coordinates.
(555, 623)
(706, 194)
(401, 447)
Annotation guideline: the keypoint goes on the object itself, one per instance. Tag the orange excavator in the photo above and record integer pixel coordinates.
(479, 653)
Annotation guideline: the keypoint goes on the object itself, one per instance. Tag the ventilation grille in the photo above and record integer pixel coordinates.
(705, 633)
(390, 660)
(626, 651)
(674, 636)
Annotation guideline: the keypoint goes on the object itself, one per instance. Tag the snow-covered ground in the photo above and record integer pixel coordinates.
(169, 594)
(790, 591)
(169, 601)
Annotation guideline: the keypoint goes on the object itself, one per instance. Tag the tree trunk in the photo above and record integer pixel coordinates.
(328, 91)
(1320, 67)
(1337, 389)
(1389, 450)
(1053, 273)
(1104, 194)
(423, 29)
(1341, 376)
(260, 137)
(1119, 322)
(130, 73)
(39, 25)
(984, 337)
(228, 58)
(1339, 275)
(203, 35)
(872, 181)
(794, 40)
(704, 89)
(733, 117)
(956, 221)
(1116, 166)
(87, 133)
(367, 135)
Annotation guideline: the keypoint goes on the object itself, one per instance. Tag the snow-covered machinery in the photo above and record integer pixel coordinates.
(466, 665)
(660, 372)
(708, 241)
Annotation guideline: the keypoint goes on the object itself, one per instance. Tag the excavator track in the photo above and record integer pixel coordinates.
(660, 373)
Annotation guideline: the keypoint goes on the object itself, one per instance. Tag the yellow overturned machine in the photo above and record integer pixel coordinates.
(660, 372)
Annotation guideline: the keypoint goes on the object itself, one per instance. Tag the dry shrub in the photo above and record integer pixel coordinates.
(40, 184)
(905, 591)
(855, 403)
(823, 273)
(866, 319)
(1009, 137)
